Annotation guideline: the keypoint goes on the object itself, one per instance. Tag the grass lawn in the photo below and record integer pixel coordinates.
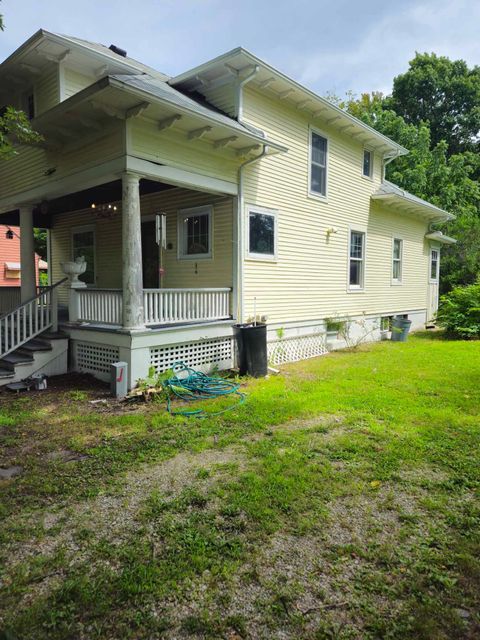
(340, 501)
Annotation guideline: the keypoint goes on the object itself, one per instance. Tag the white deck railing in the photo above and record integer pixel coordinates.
(167, 306)
(162, 306)
(103, 306)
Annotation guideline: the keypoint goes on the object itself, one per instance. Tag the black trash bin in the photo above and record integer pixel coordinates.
(252, 349)
(400, 328)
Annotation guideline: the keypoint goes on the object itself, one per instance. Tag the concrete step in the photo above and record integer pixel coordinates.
(53, 335)
(6, 373)
(36, 345)
(12, 359)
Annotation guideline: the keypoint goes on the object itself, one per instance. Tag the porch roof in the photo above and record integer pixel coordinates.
(405, 202)
(124, 96)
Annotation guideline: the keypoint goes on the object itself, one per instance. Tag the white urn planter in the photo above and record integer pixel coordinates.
(74, 269)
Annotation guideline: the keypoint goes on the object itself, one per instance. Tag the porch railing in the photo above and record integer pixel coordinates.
(29, 319)
(100, 305)
(162, 306)
(165, 306)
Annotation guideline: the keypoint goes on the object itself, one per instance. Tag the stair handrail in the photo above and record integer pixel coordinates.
(11, 335)
(44, 290)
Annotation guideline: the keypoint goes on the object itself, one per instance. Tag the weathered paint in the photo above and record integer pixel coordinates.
(27, 255)
(133, 317)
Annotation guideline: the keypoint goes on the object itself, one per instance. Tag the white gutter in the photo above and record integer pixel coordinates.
(389, 158)
(240, 232)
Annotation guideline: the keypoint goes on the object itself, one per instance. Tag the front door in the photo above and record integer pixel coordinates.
(433, 282)
(150, 256)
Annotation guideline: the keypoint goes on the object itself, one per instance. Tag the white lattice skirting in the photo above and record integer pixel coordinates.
(199, 355)
(296, 348)
(95, 359)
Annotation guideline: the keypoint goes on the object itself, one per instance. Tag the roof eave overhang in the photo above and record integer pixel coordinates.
(41, 35)
(439, 237)
(391, 148)
(401, 204)
(147, 96)
(95, 90)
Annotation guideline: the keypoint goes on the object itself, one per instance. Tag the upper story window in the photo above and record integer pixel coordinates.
(30, 106)
(83, 244)
(262, 232)
(356, 266)
(434, 264)
(397, 259)
(318, 164)
(367, 163)
(195, 233)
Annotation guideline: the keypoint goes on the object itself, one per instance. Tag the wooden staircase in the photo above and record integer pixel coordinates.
(29, 339)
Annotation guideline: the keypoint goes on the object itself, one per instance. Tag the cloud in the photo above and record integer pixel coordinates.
(446, 28)
(327, 46)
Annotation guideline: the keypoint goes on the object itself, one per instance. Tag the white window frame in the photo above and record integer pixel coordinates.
(186, 213)
(437, 276)
(397, 281)
(322, 134)
(372, 160)
(251, 208)
(83, 229)
(357, 288)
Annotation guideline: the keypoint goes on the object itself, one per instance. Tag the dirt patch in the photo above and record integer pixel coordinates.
(295, 584)
(114, 516)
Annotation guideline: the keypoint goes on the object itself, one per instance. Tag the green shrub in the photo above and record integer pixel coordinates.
(459, 311)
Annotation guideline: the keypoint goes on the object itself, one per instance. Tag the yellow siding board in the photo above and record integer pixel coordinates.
(27, 169)
(74, 81)
(309, 279)
(173, 148)
(47, 91)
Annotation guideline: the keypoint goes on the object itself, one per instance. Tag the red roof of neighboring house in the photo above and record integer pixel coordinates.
(10, 267)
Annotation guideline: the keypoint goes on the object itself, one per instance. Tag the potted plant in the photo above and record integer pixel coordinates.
(333, 326)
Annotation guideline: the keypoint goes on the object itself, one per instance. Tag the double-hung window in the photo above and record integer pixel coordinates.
(195, 233)
(367, 163)
(262, 233)
(434, 264)
(318, 164)
(83, 245)
(356, 266)
(397, 259)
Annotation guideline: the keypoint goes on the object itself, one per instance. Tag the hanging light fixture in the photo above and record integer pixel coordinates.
(104, 210)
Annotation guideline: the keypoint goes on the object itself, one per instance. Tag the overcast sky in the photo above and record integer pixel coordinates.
(328, 46)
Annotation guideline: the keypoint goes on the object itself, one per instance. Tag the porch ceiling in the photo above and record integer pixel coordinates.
(101, 194)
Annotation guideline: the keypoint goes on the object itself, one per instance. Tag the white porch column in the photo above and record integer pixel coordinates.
(133, 315)
(27, 255)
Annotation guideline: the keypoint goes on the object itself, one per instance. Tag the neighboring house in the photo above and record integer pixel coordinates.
(11, 268)
(270, 198)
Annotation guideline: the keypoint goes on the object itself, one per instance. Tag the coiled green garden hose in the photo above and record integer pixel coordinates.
(191, 386)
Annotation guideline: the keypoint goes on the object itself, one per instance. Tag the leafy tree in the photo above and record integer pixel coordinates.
(14, 126)
(443, 93)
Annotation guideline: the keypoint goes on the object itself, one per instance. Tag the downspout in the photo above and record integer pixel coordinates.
(241, 232)
(240, 86)
(240, 199)
(387, 161)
